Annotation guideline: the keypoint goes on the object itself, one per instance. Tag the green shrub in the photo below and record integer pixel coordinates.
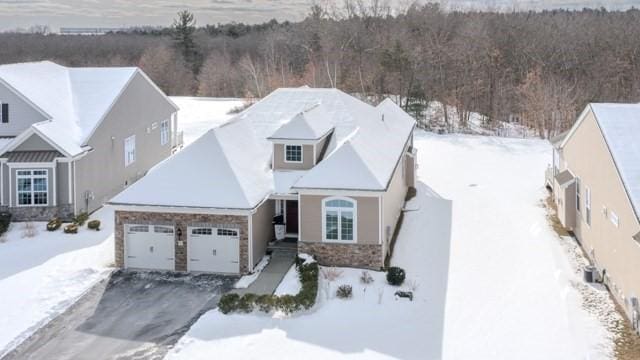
(288, 304)
(344, 292)
(246, 302)
(54, 224)
(94, 225)
(5, 220)
(81, 218)
(395, 276)
(228, 303)
(266, 303)
(71, 229)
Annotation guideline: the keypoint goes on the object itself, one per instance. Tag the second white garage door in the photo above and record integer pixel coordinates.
(213, 249)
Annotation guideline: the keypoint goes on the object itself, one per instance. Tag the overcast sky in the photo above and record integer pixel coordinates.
(122, 13)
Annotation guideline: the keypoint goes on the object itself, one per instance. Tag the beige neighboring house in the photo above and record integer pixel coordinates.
(595, 180)
(71, 138)
(331, 168)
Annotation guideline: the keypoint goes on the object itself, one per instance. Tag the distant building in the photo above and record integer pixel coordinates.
(88, 30)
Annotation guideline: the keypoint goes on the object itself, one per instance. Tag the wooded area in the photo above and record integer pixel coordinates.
(536, 68)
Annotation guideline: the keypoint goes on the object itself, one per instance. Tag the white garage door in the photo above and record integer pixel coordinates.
(149, 247)
(213, 249)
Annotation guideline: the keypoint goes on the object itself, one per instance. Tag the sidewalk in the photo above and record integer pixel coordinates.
(271, 275)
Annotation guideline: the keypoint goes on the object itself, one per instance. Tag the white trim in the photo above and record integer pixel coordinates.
(32, 177)
(31, 165)
(179, 210)
(32, 130)
(53, 180)
(70, 182)
(250, 245)
(354, 210)
(283, 197)
(301, 154)
(380, 217)
(75, 189)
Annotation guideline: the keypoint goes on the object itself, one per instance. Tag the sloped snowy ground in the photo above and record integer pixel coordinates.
(42, 276)
(492, 280)
(199, 114)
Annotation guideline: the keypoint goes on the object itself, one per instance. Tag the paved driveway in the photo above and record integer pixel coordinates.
(129, 316)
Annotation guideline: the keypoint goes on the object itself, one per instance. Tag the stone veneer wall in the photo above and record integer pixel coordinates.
(181, 221)
(366, 256)
(39, 213)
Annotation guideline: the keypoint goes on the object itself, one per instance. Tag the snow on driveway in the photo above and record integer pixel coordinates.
(42, 276)
(492, 280)
(199, 114)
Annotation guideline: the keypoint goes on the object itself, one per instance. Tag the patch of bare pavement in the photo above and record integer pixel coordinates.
(129, 316)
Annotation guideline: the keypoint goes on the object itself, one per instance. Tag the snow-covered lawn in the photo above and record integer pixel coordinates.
(492, 280)
(199, 114)
(43, 275)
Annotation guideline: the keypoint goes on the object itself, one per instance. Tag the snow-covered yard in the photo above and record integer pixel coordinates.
(197, 115)
(492, 280)
(43, 275)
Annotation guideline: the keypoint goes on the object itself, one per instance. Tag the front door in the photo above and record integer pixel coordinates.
(292, 217)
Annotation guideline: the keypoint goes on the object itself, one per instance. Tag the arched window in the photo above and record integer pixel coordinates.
(339, 220)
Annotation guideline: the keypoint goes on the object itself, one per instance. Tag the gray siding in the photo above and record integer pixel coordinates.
(102, 171)
(262, 229)
(62, 183)
(34, 143)
(21, 113)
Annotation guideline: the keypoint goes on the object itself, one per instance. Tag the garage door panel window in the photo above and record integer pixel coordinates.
(227, 232)
(339, 218)
(139, 228)
(163, 229)
(32, 187)
(201, 231)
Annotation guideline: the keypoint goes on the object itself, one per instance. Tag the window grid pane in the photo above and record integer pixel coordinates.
(346, 225)
(331, 224)
(293, 153)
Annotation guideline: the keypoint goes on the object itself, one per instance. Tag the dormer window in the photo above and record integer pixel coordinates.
(293, 153)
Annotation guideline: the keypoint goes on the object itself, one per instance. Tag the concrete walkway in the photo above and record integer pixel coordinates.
(271, 275)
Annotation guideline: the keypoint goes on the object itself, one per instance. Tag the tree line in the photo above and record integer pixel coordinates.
(537, 69)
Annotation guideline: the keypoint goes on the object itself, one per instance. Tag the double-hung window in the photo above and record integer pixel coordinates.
(32, 187)
(293, 153)
(339, 220)
(164, 132)
(129, 150)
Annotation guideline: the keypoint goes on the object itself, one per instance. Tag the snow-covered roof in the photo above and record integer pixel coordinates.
(73, 100)
(218, 170)
(620, 126)
(229, 167)
(310, 124)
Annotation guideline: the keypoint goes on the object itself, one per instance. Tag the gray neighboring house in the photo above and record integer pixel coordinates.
(333, 169)
(72, 138)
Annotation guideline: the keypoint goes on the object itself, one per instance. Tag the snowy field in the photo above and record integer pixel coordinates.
(492, 280)
(41, 276)
(197, 115)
